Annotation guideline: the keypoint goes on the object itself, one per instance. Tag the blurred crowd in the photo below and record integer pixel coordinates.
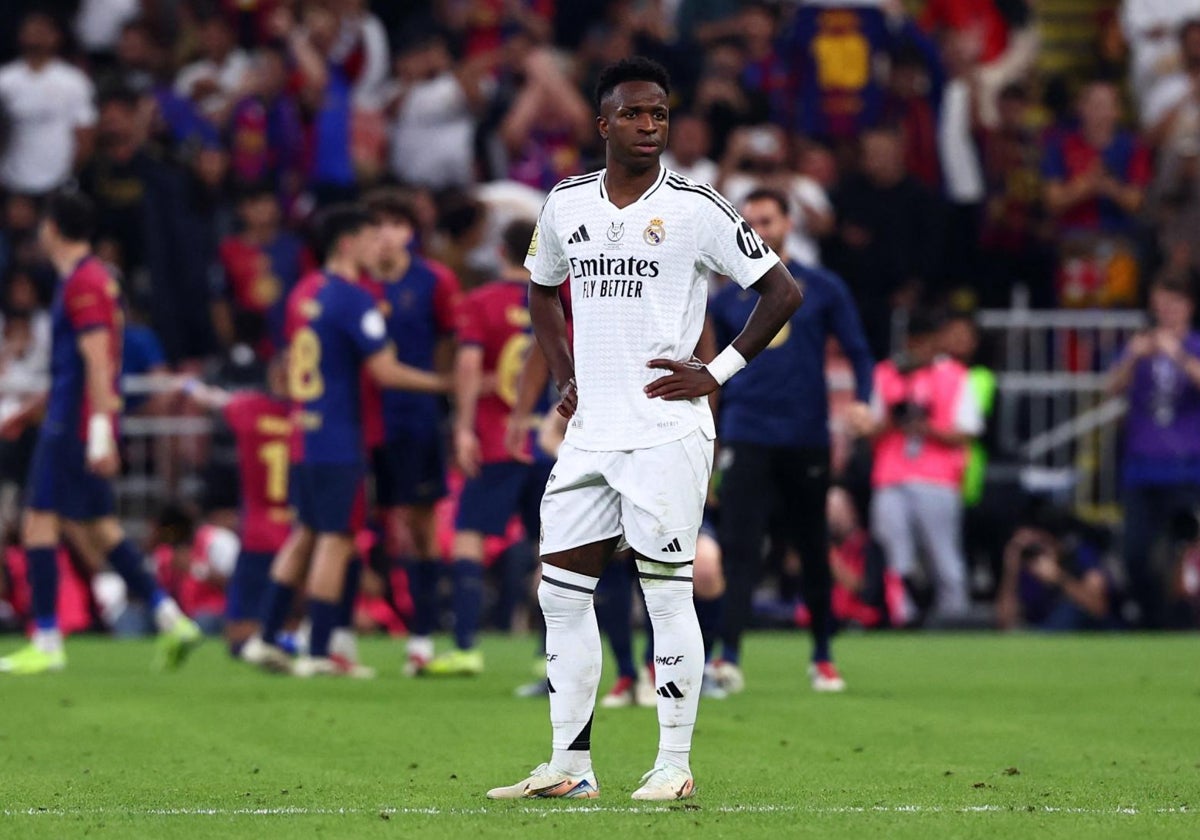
(929, 158)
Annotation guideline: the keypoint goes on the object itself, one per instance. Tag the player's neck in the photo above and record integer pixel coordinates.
(343, 267)
(624, 185)
(68, 258)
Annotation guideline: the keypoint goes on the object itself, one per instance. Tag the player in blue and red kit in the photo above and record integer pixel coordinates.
(494, 339)
(335, 331)
(420, 302)
(70, 491)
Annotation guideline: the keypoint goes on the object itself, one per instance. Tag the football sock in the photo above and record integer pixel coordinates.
(678, 666)
(131, 566)
(43, 581)
(816, 583)
(350, 593)
(614, 609)
(422, 588)
(48, 641)
(573, 661)
(324, 617)
(708, 613)
(468, 601)
(276, 606)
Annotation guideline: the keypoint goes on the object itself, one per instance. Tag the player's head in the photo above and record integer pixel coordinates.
(40, 36)
(921, 343)
(515, 241)
(396, 222)
(258, 206)
(1173, 299)
(68, 219)
(960, 336)
(634, 118)
(345, 232)
(768, 213)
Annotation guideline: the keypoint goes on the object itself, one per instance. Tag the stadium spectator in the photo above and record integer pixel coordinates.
(1170, 111)
(888, 240)
(50, 110)
(962, 171)
(1015, 238)
(361, 50)
(689, 147)
(1151, 29)
(1159, 373)
(1094, 184)
(912, 100)
(922, 417)
(98, 25)
(265, 129)
(148, 227)
(214, 79)
(434, 106)
(1054, 578)
(194, 565)
(756, 158)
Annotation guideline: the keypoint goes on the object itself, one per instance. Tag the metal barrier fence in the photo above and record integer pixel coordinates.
(1054, 420)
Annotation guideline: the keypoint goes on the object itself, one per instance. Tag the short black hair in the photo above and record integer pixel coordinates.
(337, 221)
(119, 92)
(517, 235)
(73, 213)
(635, 69)
(389, 203)
(1177, 282)
(768, 194)
(923, 323)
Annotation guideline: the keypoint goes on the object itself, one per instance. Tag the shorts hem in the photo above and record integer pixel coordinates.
(570, 544)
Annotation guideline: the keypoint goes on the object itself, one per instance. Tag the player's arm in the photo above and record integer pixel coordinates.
(778, 298)
(209, 397)
(389, 372)
(468, 385)
(530, 387)
(95, 346)
(550, 328)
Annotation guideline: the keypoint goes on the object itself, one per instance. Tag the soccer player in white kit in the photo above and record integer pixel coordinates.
(637, 241)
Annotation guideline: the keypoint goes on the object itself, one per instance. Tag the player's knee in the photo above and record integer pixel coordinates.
(468, 545)
(556, 600)
(709, 577)
(39, 528)
(666, 599)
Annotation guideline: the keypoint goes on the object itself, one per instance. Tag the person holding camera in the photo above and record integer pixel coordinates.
(1053, 576)
(922, 416)
(1159, 374)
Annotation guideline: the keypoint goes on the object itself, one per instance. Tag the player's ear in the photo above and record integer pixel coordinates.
(602, 127)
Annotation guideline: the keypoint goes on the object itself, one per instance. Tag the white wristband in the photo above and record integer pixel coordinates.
(728, 362)
(101, 440)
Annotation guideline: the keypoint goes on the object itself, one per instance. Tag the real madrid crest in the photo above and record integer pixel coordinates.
(655, 233)
(615, 231)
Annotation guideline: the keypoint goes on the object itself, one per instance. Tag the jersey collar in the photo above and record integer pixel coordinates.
(653, 188)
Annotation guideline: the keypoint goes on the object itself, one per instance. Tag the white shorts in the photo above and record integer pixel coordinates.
(653, 497)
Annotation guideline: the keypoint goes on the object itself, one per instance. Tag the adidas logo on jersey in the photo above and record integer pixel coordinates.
(673, 547)
(670, 691)
(580, 235)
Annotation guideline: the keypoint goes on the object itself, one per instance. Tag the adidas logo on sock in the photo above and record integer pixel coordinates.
(580, 235)
(670, 691)
(673, 547)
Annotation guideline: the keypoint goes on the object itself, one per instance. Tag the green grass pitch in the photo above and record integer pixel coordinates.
(938, 736)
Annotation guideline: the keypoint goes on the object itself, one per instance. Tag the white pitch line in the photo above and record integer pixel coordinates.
(582, 809)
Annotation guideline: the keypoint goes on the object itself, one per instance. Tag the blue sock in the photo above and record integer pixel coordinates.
(614, 610)
(131, 566)
(276, 606)
(423, 587)
(43, 580)
(323, 616)
(468, 602)
(350, 593)
(709, 615)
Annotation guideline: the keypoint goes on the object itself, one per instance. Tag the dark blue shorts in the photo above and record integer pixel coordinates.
(410, 468)
(491, 499)
(326, 496)
(244, 595)
(59, 480)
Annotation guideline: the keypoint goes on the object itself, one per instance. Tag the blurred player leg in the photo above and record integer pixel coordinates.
(937, 514)
(287, 573)
(614, 611)
(746, 501)
(40, 536)
(326, 582)
(709, 589)
(893, 528)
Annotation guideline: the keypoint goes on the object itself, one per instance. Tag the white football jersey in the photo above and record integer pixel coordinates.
(638, 292)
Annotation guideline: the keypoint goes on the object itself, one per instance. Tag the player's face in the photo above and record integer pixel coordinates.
(768, 221)
(363, 247)
(393, 238)
(1170, 309)
(47, 236)
(634, 122)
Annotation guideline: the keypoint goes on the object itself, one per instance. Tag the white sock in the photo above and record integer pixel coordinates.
(678, 666)
(420, 647)
(573, 661)
(343, 642)
(48, 641)
(166, 614)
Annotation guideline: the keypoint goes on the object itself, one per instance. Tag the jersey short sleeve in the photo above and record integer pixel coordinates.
(447, 297)
(546, 259)
(239, 411)
(88, 301)
(363, 322)
(83, 107)
(728, 245)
